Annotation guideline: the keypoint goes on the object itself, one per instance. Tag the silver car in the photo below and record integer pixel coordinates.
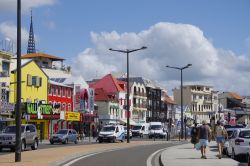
(28, 137)
(64, 136)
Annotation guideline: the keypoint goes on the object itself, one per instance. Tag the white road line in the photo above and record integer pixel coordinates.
(149, 160)
(86, 156)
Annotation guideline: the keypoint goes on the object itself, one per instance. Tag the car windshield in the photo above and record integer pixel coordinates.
(62, 132)
(155, 127)
(12, 129)
(108, 128)
(136, 127)
(244, 134)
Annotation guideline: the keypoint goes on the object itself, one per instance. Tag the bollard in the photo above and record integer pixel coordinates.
(167, 136)
(179, 136)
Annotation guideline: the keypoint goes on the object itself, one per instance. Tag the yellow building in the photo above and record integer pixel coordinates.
(34, 83)
(34, 89)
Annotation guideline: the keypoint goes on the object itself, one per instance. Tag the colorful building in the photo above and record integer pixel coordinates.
(6, 108)
(61, 98)
(34, 94)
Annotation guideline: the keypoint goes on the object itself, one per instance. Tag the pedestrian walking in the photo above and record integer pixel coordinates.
(204, 138)
(221, 136)
(194, 134)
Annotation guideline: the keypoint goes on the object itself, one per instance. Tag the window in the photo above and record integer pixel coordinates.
(63, 91)
(69, 107)
(36, 81)
(68, 92)
(59, 91)
(50, 90)
(33, 80)
(54, 92)
(63, 107)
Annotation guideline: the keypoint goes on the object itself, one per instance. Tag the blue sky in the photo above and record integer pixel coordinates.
(63, 28)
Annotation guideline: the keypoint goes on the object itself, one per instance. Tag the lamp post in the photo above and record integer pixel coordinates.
(18, 90)
(181, 68)
(127, 51)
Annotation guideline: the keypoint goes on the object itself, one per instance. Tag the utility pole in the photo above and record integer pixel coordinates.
(18, 90)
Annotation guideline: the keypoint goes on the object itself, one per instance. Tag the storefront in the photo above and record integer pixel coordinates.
(40, 115)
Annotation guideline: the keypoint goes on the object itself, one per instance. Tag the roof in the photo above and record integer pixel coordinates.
(24, 62)
(59, 84)
(169, 100)
(34, 55)
(109, 83)
(102, 95)
(235, 95)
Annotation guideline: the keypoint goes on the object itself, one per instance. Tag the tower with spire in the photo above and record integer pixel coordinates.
(31, 43)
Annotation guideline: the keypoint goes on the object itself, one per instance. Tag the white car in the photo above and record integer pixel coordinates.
(239, 143)
(226, 144)
(111, 133)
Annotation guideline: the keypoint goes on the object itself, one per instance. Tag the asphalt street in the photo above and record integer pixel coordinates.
(123, 157)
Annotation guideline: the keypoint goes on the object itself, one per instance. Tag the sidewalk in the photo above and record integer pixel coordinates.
(186, 155)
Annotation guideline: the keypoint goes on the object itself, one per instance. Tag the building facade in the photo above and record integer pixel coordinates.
(201, 99)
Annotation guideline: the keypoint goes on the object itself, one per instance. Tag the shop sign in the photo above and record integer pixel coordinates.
(43, 109)
(91, 99)
(77, 98)
(72, 116)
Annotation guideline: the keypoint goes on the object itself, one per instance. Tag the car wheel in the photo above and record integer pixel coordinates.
(100, 141)
(35, 145)
(51, 142)
(0, 149)
(75, 142)
(248, 159)
(12, 149)
(23, 145)
(233, 156)
(65, 142)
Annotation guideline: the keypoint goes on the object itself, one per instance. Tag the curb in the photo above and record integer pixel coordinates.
(160, 161)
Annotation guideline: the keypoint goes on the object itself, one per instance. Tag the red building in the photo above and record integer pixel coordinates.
(60, 96)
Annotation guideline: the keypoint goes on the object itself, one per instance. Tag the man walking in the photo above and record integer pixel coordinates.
(204, 137)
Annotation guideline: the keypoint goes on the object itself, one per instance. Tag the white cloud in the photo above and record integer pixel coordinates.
(11, 5)
(168, 44)
(9, 30)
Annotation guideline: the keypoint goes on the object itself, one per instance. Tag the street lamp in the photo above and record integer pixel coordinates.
(18, 90)
(181, 68)
(127, 51)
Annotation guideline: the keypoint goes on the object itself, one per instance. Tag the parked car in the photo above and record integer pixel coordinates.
(156, 130)
(125, 132)
(239, 143)
(111, 133)
(64, 136)
(28, 137)
(226, 144)
(140, 130)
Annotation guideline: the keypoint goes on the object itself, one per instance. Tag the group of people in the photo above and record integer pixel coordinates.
(202, 135)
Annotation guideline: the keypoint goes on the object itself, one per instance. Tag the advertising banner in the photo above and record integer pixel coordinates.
(72, 116)
(77, 98)
(91, 99)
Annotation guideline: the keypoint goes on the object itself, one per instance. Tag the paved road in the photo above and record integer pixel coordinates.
(130, 156)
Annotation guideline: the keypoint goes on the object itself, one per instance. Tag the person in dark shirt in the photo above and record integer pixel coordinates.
(194, 134)
(204, 134)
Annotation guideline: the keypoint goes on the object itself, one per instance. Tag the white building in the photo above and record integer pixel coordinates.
(201, 99)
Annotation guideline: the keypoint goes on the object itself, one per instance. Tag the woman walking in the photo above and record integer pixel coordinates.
(221, 133)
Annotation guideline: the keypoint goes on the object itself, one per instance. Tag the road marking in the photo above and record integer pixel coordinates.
(149, 160)
(86, 156)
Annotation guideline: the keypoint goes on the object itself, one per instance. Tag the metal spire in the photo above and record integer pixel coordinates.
(31, 43)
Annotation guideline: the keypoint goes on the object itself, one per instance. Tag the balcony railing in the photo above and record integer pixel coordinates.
(140, 94)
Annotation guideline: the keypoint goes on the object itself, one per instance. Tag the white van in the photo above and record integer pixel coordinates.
(111, 133)
(140, 129)
(156, 130)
